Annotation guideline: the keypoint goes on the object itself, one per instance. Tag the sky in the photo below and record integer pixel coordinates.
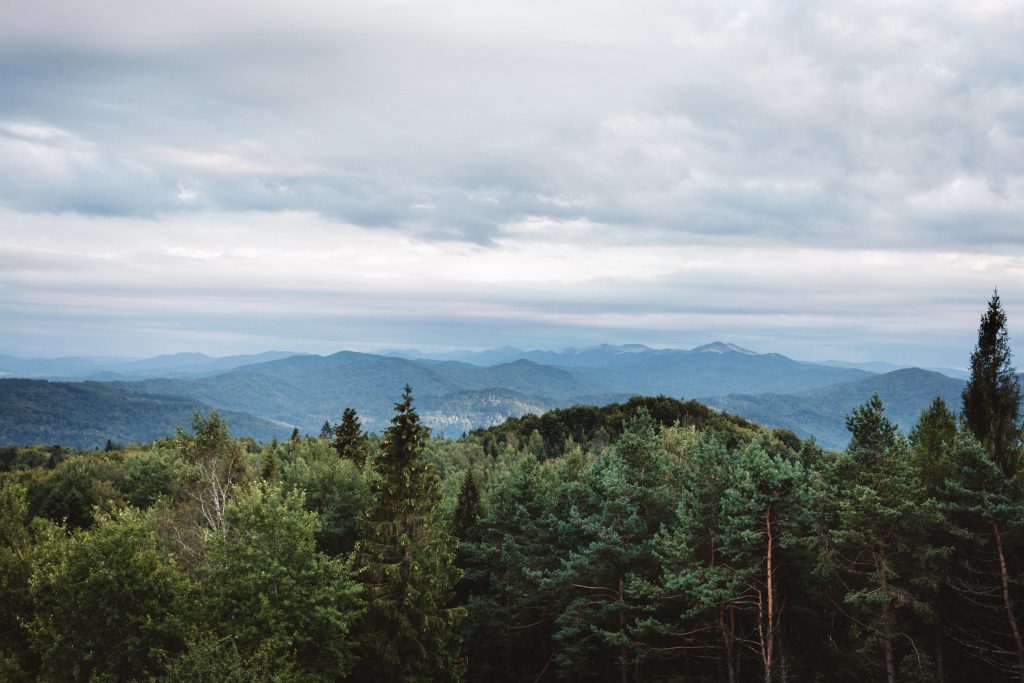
(823, 180)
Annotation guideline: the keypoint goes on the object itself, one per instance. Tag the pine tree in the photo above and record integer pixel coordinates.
(620, 509)
(326, 431)
(405, 562)
(984, 514)
(879, 543)
(932, 438)
(992, 398)
(349, 440)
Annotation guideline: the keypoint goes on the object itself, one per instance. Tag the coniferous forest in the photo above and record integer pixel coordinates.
(652, 540)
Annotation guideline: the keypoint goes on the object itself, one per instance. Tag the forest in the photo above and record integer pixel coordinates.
(653, 540)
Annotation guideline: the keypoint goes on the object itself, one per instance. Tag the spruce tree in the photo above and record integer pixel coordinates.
(405, 563)
(991, 400)
(349, 440)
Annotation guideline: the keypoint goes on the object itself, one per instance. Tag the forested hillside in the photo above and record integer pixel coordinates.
(88, 414)
(651, 540)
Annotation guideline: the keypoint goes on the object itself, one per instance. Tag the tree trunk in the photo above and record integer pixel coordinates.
(890, 659)
(730, 667)
(623, 652)
(769, 657)
(940, 649)
(887, 623)
(1007, 603)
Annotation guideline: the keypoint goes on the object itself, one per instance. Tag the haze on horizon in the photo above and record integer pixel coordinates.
(823, 181)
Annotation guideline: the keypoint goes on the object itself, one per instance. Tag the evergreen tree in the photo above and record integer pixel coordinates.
(705, 592)
(620, 508)
(326, 431)
(985, 516)
(879, 543)
(270, 466)
(932, 438)
(992, 398)
(466, 518)
(405, 563)
(765, 517)
(295, 437)
(349, 440)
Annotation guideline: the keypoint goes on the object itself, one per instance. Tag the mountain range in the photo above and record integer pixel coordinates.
(269, 394)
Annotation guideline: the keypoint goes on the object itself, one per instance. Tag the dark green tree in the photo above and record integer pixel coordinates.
(270, 465)
(404, 558)
(991, 400)
(334, 489)
(620, 507)
(879, 545)
(704, 594)
(465, 520)
(326, 431)
(765, 520)
(349, 440)
(932, 439)
(985, 516)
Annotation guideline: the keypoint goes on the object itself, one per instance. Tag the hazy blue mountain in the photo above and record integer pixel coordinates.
(307, 390)
(590, 356)
(883, 367)
(115, 368)
(67, 366)
(456, 396)
(822, 412)
(716, 371)
(86, 414)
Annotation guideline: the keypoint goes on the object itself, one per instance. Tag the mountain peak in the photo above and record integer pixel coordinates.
(722, 347)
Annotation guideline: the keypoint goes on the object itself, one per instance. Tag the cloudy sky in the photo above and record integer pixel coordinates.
(825, 180)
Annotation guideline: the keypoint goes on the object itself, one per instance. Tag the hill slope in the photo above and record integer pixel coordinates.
(86, 414)
(822, 412)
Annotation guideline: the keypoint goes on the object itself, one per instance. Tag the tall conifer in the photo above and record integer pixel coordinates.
(404, 559)
(992, 396)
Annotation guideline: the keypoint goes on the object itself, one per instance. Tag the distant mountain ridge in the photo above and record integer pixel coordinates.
(455, 396)
(110, 368)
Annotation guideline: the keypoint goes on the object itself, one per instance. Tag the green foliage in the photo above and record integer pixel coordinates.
(268, 589)
(150, 475)
(992, 398)
(620, 507)
(932, 438)
(333, 488)
(88, 414)
(879, 545)
(349, 440)
(107, 606)
(77, 486)
(405, 563)
(270, 466)
(16, 554)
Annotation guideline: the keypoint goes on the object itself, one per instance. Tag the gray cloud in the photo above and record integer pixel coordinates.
(607, 134)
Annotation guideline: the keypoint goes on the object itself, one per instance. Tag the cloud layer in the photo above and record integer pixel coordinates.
(815, 179)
